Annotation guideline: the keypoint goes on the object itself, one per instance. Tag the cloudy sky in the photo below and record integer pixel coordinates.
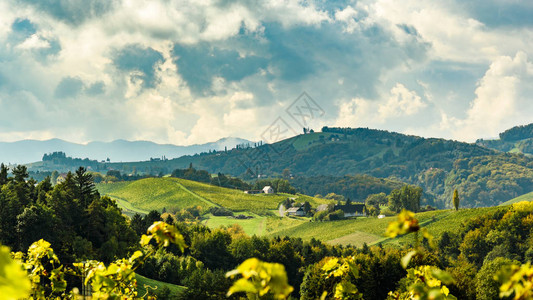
(186, 72)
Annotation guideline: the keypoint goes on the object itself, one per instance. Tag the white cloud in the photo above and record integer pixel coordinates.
(348, 16)
(360, 52)
(452, 34)
(399, 102)
(33, 42)
(503, 99)
(402, 102)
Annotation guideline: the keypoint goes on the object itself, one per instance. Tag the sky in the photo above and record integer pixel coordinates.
(187, 72)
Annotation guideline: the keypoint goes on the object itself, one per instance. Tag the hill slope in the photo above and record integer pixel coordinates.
(437, 165)
(174, 194)
(524, 197)
(371, 230)
(518, 139)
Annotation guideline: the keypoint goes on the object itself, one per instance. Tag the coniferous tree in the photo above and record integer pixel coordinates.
(85, 189)
(456, 199)
(3, 174)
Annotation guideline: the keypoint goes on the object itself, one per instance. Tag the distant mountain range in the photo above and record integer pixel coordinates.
(27, 151)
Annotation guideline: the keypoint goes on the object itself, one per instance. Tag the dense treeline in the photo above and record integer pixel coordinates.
(490, 180)
(82, 225)
(212, 252)
(517, 133)
(72, 216)
(356, 187)
(516, 139)
(204, 176)
(116, 175)
(60, 158)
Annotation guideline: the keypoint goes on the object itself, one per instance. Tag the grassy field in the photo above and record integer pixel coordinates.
(302, 142)
(277, 224)
(371, 230)
(235, 200)
(152, 193)
(142, 282)
(255, 225)
(525, 197)
(174, 194)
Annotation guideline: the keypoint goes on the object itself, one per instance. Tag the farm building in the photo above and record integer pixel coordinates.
(268, 190)
(296, 211)
(352, 210)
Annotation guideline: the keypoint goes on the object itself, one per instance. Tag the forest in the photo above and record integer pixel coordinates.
(79, 225)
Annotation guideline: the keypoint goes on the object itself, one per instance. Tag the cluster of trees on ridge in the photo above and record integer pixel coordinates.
(519, 138)
(517, 133)
(355, 187)
(279, 185)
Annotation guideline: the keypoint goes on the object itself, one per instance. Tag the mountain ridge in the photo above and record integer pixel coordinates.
(27, 151)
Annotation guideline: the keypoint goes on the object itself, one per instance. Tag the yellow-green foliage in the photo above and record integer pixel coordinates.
(260, 279)
(425, 282)
(340, 273)
(14, 283)
(517, 282)
(46, 273)
(439, 221)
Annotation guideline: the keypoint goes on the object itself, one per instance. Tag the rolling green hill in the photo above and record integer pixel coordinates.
(152, 193)
(518, 139)
(175, 194)
(371, 230)
(483, 176)
(525, 197)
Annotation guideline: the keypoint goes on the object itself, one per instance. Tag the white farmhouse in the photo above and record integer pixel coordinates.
(268, 190)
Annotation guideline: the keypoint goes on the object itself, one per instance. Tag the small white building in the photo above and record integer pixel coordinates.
(268, 190)
(381, 216)
(296, 211)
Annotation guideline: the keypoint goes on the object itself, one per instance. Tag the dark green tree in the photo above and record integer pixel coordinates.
(85, 189)
(3, 174)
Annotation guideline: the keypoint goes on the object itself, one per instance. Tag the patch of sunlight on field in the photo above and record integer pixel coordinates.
(255, 225)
